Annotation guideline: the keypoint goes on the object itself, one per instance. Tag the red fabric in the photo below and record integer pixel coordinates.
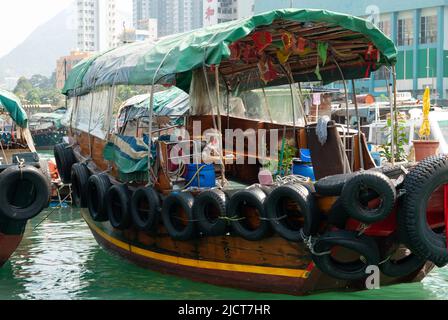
(262, 40)
(249, 54)
(301, 44)
(235, 51)
(287, 40)
(267, 69)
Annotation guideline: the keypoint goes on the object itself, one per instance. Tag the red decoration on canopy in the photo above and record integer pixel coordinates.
(267, 69)
(262, 40)
(371, 56)
(288, 41)
(235, 51)
(301, 44)
(249, 54)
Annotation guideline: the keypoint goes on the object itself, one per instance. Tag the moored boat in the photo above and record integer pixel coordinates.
(47, 129)
(169, 189)
(24, 191)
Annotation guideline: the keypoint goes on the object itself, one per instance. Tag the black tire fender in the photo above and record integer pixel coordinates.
(210, 207)
(80, 178)
(419, 184)
(249, 203)
(348, 271)
(177, 216)
(97, 188)
(117, 205)
(361, 186)
(24, 192)
(332, 186)
(338, 216)
(145, 209)
(65, 159)
(288, 223)
(397, 268)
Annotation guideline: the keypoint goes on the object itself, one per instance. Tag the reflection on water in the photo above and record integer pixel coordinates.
(61, 260)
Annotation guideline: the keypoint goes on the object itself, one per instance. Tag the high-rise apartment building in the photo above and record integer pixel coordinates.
(97, 25)
(173, 16)
(219, 11)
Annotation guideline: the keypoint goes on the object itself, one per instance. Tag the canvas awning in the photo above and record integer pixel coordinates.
(172, 102)
(171, 59)
(13, 106)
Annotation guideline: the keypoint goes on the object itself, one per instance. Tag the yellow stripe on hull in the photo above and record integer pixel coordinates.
(211, 265)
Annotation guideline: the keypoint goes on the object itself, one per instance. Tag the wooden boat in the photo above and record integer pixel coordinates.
(47, 129)
(25, 188)
(289, 235)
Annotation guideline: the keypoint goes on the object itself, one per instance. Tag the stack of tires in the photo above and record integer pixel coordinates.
(367, 197)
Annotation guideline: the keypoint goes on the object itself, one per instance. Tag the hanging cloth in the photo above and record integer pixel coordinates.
(262, 40)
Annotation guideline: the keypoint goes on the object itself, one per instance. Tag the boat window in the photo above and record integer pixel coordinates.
(245, 96)
(91, 113)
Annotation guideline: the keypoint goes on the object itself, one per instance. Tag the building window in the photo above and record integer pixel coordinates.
(428, 29)
(405, 33)
(384, 26)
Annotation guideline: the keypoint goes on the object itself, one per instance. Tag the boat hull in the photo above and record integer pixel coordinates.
(11, 234)
(236, 263)
(47, 139)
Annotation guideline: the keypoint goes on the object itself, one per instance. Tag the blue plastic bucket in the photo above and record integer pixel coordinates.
(206, 177)
(305, 155)
(377, 158)
(303, 169)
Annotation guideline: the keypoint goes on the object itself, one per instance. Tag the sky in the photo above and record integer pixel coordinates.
(21, 17)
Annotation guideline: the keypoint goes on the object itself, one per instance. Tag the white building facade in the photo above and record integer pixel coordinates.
(173, 16)
(219, 11)
(97, 25)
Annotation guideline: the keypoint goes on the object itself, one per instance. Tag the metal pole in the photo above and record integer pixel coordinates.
(361, 158)
(65, 80)
(347, 113)
(395, 113)
(392, 130)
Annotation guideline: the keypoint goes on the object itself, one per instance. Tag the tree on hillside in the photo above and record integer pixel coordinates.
(39, 89)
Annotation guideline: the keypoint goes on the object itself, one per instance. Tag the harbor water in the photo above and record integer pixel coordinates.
(60, 259)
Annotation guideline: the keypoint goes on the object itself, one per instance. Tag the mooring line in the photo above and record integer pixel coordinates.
(52, 211)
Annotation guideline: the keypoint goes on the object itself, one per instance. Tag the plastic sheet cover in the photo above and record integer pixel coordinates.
(174, 57)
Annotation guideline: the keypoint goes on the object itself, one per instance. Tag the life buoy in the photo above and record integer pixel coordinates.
(352, 270)
(291, 208)
(80, 178)
(421, 182)
(178, 218)
(97, 188)
(248, 215)
(118, 206)
(364, 187)
(210, 209)
(65, 159)
(24, 192)
(145, 208)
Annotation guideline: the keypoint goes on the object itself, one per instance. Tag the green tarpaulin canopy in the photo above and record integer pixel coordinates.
(12, 104)
(174, 57)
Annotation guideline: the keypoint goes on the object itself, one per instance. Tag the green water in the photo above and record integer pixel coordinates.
(61, 260)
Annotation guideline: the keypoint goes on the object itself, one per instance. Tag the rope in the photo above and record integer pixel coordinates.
(310, 243)
(51, 212)
(4, 153)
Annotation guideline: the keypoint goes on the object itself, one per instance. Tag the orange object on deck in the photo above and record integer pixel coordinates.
(54, 174)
